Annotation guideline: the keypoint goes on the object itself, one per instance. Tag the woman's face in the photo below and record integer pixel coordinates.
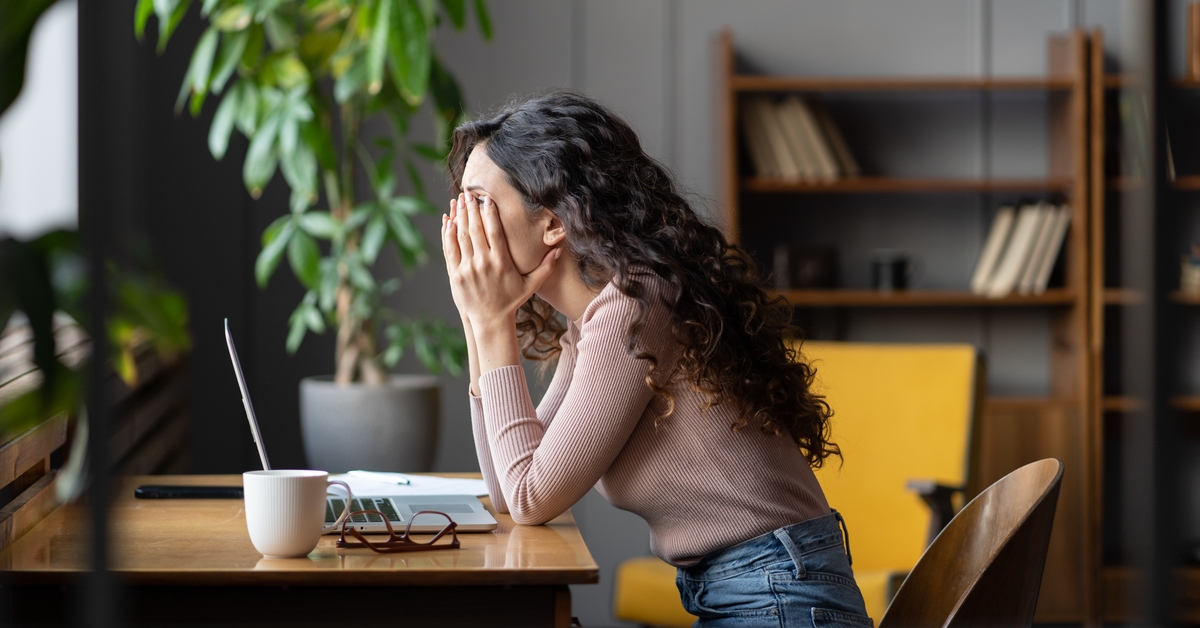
(530, 235)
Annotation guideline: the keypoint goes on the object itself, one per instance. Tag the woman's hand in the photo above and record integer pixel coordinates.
(485, 284)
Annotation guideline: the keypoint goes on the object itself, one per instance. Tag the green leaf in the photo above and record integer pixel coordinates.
(359, 216)
(428, 152)
(281, 33)
(285, 70)
(411, 54)
(297, 326)
(232, 47)
(412, 247)
(312, 317)
(373, 237)
(448, 105)
(169, 22)
(255, 43)
(248, 108)
(261, 158)
(409, 205)
(360, 277)
(235, 18)
(300, 170)
(329, 284)
(317, 137)
(222, 124)
(319, 224)
(414, 177)
(304, 257)
(485, 20)
(200, 68)
(140, 15)
(274, 244)
(275, 228)
(456, 10)
(350, 82)
(208, 6)
(425, 351)
(377, 45)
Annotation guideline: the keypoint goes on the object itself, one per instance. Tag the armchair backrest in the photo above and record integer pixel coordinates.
(901, 412)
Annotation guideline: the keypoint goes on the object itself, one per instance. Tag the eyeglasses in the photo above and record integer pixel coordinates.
(398, 542)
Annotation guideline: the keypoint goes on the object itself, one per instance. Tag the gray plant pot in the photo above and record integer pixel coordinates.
(387, 427)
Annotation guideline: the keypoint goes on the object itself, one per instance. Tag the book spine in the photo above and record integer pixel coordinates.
(1193, 41)
(816, 141)
(755, 142)
(846, 162)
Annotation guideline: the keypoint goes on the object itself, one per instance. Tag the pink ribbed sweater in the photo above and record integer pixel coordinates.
(699, 485)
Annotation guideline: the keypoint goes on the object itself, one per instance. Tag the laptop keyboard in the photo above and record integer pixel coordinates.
(334, 506)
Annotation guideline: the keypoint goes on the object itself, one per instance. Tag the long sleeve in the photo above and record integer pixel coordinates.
(484, 454)
(544, 469)
(546, 410)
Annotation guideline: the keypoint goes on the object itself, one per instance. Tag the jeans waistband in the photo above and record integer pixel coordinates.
(787, 542)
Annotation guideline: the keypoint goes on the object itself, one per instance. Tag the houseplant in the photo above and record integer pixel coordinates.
(298, 78)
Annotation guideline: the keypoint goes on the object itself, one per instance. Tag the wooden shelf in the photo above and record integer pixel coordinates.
(904, 185)
(1187, 403)
(1119, 81)
(918, 298)
(1120, 404)
(1185, 298)
(1188, 182)
(1121, 588)
(753, 83)
(1123, 296)
(1184, 183)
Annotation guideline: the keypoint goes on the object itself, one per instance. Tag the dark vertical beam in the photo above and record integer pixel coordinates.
(1163, 461)
(94, 225)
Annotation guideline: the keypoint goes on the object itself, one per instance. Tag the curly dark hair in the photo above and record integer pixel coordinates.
(624, 218)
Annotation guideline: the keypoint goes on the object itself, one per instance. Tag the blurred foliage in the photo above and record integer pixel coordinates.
(298, 78)
(47, 275)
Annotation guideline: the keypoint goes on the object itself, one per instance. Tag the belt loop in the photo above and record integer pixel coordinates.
(845, 535)
(794, 552)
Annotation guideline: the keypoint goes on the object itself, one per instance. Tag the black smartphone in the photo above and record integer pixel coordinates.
(188, 492)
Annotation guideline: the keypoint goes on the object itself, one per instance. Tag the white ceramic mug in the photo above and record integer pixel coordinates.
(285, 510)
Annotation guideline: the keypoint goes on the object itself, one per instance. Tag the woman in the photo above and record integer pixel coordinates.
(675, 392)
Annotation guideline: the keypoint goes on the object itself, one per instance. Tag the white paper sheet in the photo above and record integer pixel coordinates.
(381, 484)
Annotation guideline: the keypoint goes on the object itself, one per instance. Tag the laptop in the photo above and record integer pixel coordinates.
(466, 510)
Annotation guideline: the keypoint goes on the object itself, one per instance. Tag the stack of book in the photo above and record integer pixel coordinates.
(795, 140)
(1021, 249)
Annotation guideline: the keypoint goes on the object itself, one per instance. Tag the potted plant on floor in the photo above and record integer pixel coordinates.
(298, 78)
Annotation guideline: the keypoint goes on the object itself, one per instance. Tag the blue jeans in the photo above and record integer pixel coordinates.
(798, 575)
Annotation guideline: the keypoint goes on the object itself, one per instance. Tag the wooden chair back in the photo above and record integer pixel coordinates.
(985, 568)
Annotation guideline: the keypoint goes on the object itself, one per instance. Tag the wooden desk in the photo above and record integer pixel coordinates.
(191, 562)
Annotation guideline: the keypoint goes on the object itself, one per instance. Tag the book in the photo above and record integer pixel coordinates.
(993, 248)
(1016, 254)
(792, 132)
(846, 162)
(788, 169)
(1193, 42)
(757, 144)
(1040, 244)
(827, 169)
(1061, 223)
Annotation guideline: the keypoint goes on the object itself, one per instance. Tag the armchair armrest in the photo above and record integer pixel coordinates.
(938, 497)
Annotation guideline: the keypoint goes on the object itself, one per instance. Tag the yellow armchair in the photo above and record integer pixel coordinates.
(903, 416)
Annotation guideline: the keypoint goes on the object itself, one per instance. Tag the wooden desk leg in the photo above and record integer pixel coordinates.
(562, 607)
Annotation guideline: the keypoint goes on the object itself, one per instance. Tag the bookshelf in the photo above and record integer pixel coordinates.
(1118, 584)
(1013, 431)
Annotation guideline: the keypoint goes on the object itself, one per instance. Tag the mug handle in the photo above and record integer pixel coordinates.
(345, 511)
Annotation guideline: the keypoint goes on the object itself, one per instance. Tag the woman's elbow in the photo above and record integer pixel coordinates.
(531, 516)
